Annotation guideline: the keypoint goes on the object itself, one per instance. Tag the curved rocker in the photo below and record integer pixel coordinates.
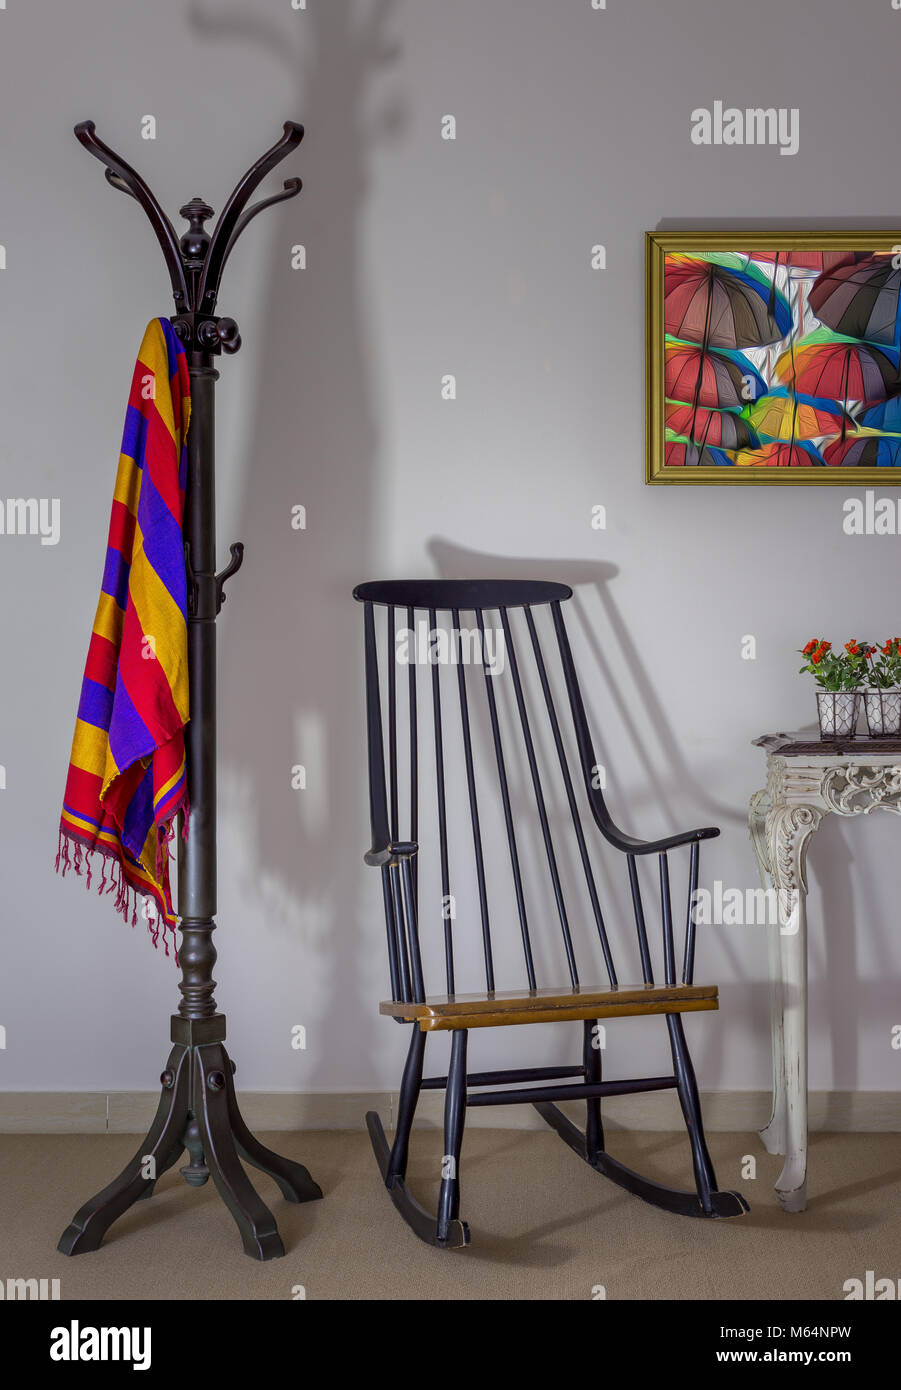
(423, 1223)
(681, 1203)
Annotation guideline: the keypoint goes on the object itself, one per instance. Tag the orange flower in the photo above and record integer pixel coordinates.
(852, 648)
(811, 647)
(817, 657)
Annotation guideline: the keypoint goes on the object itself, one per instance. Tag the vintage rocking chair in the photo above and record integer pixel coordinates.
(492, 784)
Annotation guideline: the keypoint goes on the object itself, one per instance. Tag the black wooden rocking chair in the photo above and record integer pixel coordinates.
(492, 784)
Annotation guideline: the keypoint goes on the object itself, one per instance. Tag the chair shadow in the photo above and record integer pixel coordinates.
(453, 561)
(671, 781)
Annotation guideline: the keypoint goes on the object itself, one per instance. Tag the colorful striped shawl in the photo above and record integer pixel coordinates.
(127, 772)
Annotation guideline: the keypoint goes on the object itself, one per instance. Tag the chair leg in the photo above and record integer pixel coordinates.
(454, 1120)
(452, 1233)
(591, 1060)
(705, 1178)
(705, 1201)
(406, 1106)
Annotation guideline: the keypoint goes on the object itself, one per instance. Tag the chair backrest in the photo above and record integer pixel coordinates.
(464, 715)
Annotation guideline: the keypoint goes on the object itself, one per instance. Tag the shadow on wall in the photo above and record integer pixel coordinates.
(292, 687)
(669, 780)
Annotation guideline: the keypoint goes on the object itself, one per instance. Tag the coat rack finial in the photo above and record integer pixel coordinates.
(196, 261)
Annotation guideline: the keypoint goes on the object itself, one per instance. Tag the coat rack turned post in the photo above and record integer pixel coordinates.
(198, 1109)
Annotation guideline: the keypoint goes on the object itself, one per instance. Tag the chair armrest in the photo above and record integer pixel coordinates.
(630, 845)
(380, 855)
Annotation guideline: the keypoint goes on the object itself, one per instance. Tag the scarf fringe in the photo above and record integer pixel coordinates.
(72, 854)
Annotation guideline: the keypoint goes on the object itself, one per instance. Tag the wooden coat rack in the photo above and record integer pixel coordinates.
(198, 1109)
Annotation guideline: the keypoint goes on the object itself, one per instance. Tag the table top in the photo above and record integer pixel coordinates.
(806, 743)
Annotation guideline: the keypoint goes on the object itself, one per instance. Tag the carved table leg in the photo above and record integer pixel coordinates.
(773, 1133)
(790, 828)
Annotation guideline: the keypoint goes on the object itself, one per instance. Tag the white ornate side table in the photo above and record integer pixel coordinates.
(806, 780)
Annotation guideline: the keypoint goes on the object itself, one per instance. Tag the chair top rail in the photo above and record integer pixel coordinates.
(468, 595)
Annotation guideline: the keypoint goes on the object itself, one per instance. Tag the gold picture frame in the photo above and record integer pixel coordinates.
(790, 278)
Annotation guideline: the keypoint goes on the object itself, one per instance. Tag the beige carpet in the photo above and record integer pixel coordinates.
(544, 1225)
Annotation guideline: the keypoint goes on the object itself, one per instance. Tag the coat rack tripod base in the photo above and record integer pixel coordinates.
(198, 1109)
(198, 1113)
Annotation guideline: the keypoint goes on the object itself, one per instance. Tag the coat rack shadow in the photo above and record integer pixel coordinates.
(291, 676)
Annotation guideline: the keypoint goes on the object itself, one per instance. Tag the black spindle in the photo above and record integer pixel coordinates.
(378, 800)
(393, 959)
(688, 963)
(412, 928)
(539, 798)
(392, 722)
(669, 952)
(414, 758)
(397, 913)
(571, 798)
(474, 811)
(508, 812)
(646, 970)
(446, 899)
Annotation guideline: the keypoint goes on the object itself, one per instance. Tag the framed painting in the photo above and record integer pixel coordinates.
(773, 357)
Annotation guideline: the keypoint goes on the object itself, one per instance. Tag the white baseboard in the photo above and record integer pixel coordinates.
(130, 1112)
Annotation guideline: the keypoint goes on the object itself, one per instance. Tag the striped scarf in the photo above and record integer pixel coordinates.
(126, 777)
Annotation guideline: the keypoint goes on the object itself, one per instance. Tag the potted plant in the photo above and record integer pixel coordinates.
(839, 676)
(882, 700)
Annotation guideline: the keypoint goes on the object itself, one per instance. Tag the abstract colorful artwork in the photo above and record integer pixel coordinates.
(774, 358)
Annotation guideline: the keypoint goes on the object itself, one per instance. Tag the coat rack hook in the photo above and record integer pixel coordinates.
(116, 182)
(122, 176)
(225, 230)
(291, 189)
(237, 559)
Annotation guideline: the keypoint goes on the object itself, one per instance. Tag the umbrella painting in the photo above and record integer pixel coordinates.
(774, 357)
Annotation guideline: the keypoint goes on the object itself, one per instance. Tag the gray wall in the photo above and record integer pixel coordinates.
(424, 257)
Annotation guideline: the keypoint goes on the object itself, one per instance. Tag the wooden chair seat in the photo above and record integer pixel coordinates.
(497, 1009)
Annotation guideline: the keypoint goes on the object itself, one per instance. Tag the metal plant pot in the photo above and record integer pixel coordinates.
(837, 710)
(883, 709)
